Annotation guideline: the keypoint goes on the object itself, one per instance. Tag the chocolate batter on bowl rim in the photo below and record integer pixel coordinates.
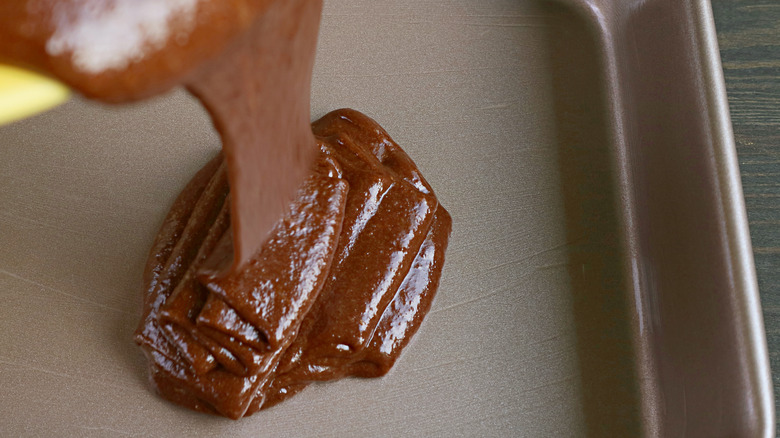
(237, 318)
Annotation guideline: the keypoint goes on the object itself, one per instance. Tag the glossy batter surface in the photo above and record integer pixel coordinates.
(339, 288)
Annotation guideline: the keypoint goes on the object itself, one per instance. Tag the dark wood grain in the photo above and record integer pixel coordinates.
(749, 38)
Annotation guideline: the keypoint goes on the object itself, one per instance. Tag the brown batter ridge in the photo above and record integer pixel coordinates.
(243, 309)
(338, 290)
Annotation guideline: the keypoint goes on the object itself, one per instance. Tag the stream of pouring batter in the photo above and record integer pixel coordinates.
(258, 94)
(249, 62)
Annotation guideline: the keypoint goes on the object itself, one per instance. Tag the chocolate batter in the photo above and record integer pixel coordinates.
(337, 290)
(302, 253)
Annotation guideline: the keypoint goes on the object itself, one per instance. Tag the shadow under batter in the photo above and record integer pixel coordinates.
(338, 289)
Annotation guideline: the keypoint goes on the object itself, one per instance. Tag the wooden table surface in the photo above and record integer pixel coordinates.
(749, 38)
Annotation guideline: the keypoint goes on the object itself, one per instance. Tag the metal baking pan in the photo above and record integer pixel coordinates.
(599, 279)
